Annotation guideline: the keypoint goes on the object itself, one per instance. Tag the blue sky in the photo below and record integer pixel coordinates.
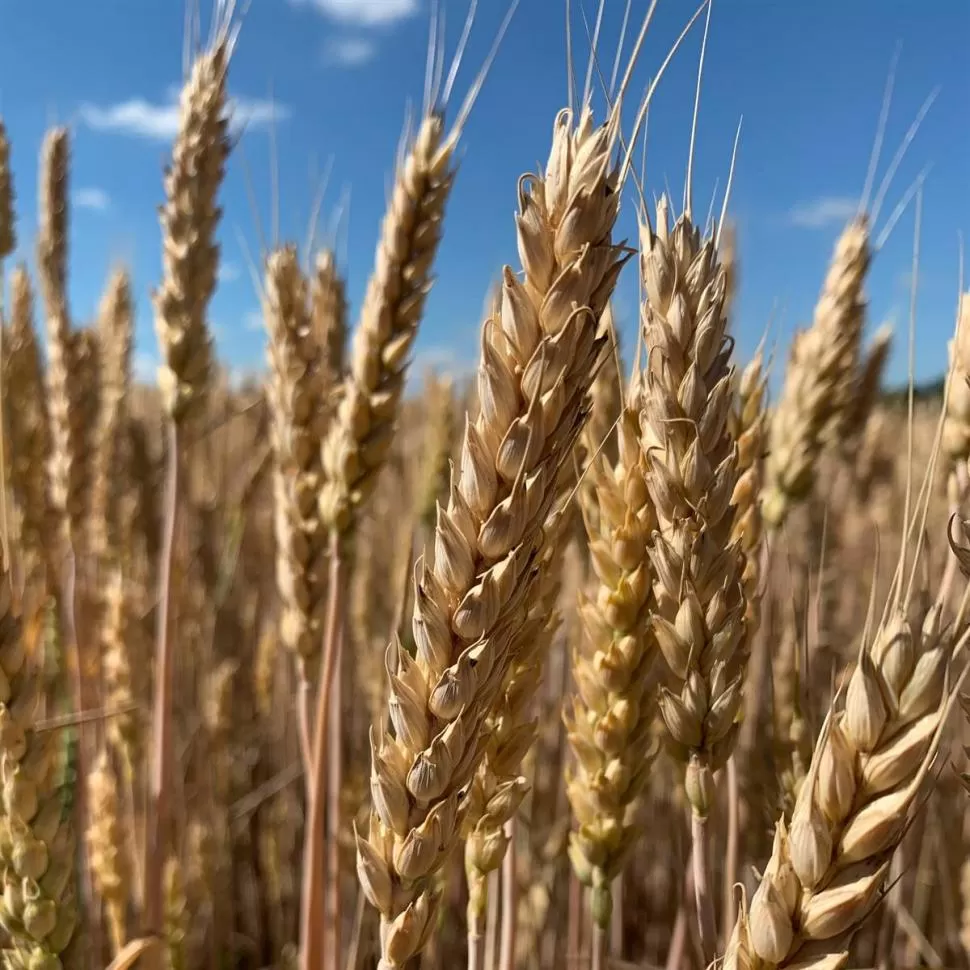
(807, 77)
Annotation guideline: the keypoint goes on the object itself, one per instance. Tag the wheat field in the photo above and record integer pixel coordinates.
(607, 657)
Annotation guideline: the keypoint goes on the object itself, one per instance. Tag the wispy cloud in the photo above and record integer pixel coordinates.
(368, 13)
(160, 121)
(228, 272)
(253, 320)
(349, 51)
(824, 211)
(92, 198)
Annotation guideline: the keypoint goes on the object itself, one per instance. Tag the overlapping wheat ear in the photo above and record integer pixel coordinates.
(37, 847)
(869, 770)
(8, 225)
(296, 392)
(27, 426)
(956, 430)
(691, 472)
(614, 704)
(536, 365)
(819, 377)
(115, 332)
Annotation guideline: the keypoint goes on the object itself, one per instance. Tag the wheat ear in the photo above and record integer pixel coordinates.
(107, 850)
(819, 380)
(37, 847)
(614, 704)
(869, 768)
(691, 472)
(190, 255)
(115, 331)
(358, 442)
(329, 316)
(749, 420)
(534, 375)
(296, 393)
(956, 426)
(27, 424)
(8, 230)
(52, 269)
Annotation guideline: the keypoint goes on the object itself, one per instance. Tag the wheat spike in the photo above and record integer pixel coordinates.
(956, 426)
(692, 471)
(329, 316)
(115, 327)
(52, 268)
(829, 864)
(615, 699)
(297, 395)
(8, 230)
(819, 382)
(189, 218)
(27, 424)
(534, 376)
(748, 427)
(358, 441)
(38, 907)
(107, 851)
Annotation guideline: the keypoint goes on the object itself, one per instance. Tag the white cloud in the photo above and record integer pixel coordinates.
(159, 122)
(145, 368)
(350, 51)
(365, 12)
(228, 272)
(92, 198)
(824, 211)
(445, 361)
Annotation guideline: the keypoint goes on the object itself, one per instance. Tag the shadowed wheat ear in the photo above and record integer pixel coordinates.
(38, 908)
(115, 330)
(956, 428)
(296, 392)
(818, 384)
(329, 318)
(108, 850)
(8, 230)
(748, 422)
(537, 361)
(27, 427)
(614, 704)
